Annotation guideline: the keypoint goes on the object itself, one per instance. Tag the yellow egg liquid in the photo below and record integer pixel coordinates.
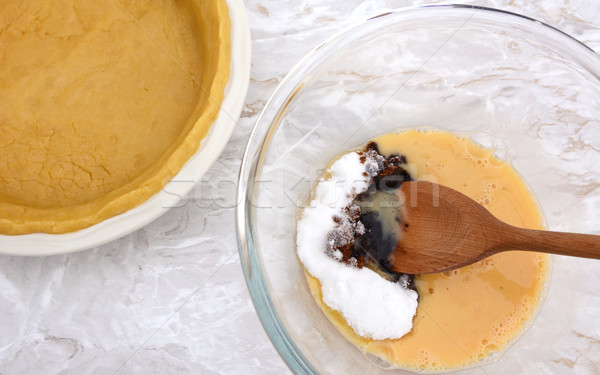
(468, 316)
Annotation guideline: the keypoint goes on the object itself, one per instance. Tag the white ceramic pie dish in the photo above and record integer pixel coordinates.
(211, 147)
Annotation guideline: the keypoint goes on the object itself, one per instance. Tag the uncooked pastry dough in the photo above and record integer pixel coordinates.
(101, 103)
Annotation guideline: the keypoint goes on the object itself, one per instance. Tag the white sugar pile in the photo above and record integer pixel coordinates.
(373, 306)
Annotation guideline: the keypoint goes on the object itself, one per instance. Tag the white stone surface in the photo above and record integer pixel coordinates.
(171, 298)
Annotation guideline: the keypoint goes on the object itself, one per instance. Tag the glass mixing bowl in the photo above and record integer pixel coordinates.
(527, 90)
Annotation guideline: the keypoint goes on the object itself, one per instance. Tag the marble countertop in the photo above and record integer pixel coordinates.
(171, 298)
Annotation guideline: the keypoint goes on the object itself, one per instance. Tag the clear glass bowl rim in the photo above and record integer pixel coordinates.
(266, 125)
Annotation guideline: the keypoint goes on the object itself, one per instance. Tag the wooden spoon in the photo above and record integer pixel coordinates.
(444, 229)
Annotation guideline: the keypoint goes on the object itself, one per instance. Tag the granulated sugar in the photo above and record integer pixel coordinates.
(373, 306)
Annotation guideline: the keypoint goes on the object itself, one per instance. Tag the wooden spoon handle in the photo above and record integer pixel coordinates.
(572, 244)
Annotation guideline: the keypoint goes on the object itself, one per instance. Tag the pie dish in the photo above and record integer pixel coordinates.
(107, 110)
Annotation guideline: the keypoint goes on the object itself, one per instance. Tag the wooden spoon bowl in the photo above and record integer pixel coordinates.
(444, 229)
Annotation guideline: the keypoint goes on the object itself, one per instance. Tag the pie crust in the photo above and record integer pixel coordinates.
(102, 103)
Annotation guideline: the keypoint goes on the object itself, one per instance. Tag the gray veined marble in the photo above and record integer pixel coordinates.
(171, 298)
